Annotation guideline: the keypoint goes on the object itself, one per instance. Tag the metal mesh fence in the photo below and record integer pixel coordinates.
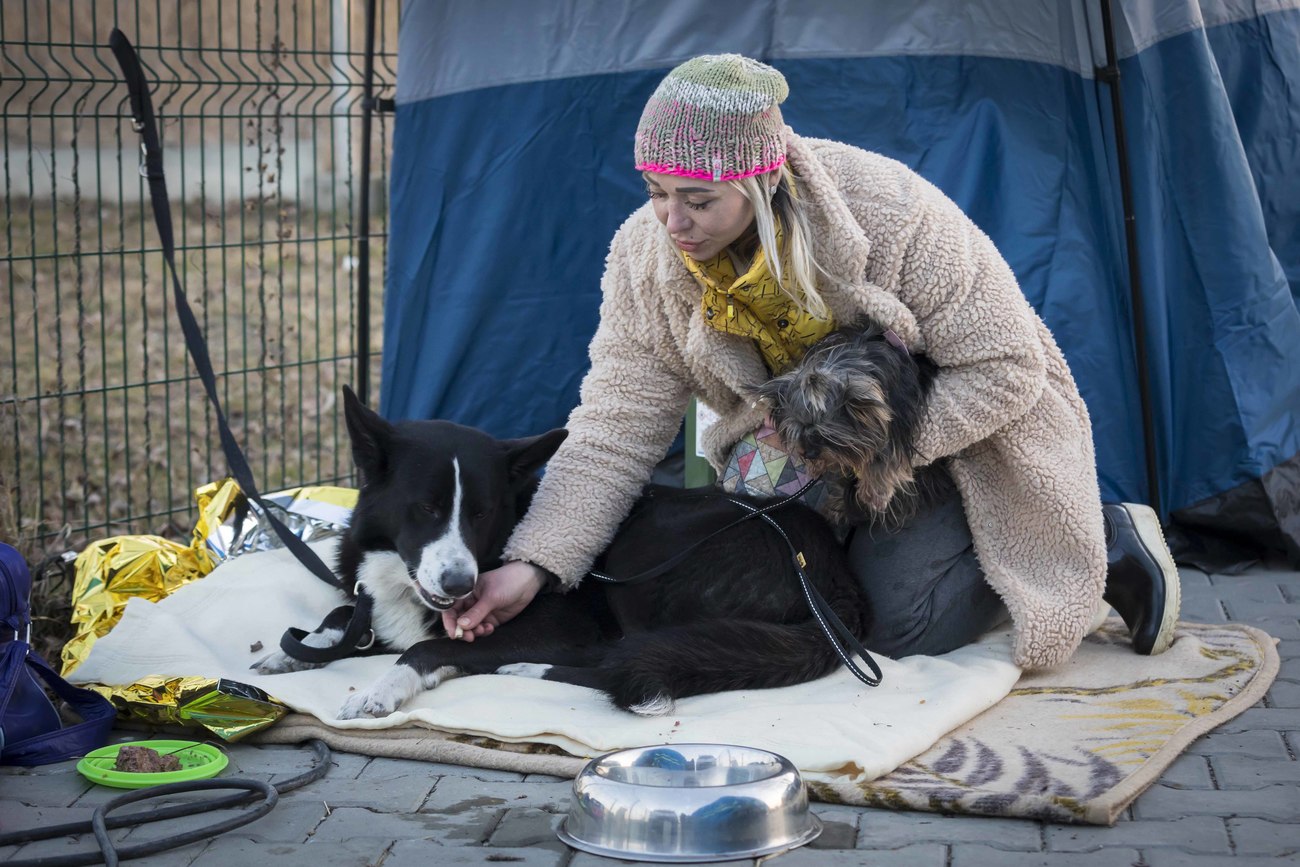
(104, 428)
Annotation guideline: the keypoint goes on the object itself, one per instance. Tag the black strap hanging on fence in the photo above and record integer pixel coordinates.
(151, 168)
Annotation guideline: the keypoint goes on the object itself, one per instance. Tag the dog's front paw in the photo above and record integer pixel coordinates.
(387, 694)
(366, 704)
(281, 663)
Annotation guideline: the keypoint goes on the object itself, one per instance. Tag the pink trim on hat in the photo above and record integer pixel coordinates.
(708, 176)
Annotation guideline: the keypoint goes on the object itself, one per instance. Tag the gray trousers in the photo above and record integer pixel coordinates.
(927, 591)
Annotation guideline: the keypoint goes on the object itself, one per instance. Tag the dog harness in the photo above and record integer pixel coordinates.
(754, 305)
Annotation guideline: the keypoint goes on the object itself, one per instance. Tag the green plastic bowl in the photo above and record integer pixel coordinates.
(198, 762)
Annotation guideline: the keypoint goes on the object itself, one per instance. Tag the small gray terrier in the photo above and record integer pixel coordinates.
(850, 407)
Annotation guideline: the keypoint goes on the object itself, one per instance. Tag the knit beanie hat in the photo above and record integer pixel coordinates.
(715, 117)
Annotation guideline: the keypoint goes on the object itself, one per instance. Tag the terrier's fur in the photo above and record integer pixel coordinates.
(850, 409)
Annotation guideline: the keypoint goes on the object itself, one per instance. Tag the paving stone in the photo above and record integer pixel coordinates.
(1192, 833)
(1254, 612)
(1260, 745)
(15, 816)
(1281, 803)
(421, 853)
(455, 794)
(338, 786)
(1198, 591)
(527, 826)
(287, 760)
(346, 823)
(182, 856)
(1254, 585)
(586, 859)
(225, 851)
(1290, 669)
(1202, 609)
(55, 769)
(286, 823)
(1285, 628)
(884, 829)
(1191, 577)
(1241, 773)
(839, 827)
(1283, 693)
(396, 784)
(1262, 837)
(59, 847)
(922, 855)
(485, 774)
(971, 855)
(60, 788)
(1174, 858)
(545, 778)
(1260, 718)
(1188, 772)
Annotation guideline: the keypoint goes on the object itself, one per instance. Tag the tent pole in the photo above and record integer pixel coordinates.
(363, 218)
(1110, 75)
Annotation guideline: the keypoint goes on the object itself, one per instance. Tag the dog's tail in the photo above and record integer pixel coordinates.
(647, 672)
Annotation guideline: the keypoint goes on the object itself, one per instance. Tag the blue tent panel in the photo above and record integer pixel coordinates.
(510, 177)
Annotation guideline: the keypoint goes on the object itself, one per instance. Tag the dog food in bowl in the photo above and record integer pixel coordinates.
(689, 802)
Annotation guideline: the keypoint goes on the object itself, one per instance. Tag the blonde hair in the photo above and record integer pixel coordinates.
(786, 208)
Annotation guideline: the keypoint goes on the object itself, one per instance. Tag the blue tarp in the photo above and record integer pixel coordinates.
(512, 169)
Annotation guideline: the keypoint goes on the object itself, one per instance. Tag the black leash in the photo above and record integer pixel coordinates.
(357, 635)
(99, 822)
(841, 638)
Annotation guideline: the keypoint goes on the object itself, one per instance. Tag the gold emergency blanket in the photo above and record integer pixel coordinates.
(226, 708)
(112, 571)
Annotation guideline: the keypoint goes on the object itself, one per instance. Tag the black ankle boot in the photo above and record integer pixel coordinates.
(1141, 579)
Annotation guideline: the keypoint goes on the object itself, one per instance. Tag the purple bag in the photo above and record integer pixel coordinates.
(31, 732)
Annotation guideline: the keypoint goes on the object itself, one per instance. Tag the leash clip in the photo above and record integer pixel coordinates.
(143, 169)
(369, 642)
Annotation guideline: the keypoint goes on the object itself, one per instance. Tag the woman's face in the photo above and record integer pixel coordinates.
(702, 217)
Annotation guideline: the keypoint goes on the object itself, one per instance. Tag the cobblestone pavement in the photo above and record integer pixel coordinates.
(1232, 798)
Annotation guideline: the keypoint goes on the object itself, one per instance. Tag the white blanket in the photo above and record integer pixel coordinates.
(835, 726)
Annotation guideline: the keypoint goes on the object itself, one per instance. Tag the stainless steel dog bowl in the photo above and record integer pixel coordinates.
(689, 802)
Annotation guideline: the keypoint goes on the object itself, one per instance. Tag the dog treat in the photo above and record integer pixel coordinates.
(460, 630)
(142, 760)
(255, 647)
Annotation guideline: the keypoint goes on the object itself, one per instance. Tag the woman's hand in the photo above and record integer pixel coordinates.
(499, 595)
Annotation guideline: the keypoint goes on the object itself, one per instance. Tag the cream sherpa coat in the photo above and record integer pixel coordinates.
(1003, 407)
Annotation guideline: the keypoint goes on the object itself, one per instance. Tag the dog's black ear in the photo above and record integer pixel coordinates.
(369, 433)
(527, 455)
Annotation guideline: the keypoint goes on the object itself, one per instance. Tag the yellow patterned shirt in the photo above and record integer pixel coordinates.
(753, 305)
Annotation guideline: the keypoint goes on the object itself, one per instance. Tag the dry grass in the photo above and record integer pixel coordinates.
(104, 428)
(107, 422)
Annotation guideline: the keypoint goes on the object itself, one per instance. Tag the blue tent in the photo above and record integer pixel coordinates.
(512, 169)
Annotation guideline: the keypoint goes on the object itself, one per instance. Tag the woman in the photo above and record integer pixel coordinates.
(755, 242)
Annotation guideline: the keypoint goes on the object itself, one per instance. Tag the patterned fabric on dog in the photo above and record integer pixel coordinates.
(759, 464)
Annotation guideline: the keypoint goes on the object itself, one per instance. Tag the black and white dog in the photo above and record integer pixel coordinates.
(437, 504)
